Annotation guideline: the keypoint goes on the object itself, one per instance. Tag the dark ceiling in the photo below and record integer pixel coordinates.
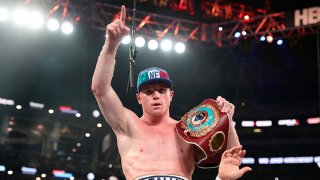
(264, 81)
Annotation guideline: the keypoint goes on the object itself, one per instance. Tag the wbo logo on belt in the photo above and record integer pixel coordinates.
(206, 127)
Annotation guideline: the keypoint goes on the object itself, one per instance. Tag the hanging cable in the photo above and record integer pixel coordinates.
(318, 59)
(132, 50)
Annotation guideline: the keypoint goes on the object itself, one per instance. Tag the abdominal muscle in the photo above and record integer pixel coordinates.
(153, 151)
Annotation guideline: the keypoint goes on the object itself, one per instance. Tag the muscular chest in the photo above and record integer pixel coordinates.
(162, 142)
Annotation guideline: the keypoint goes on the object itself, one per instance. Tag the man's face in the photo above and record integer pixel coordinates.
(155, 98)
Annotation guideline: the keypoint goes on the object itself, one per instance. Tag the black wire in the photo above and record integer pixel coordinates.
(318, 58)
(132, 50)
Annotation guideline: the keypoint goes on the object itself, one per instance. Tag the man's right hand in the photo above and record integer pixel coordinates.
(116, 30)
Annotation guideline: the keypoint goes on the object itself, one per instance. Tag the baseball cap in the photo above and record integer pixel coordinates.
(153, 74)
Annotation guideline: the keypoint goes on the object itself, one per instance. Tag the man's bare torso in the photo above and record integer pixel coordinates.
(154, 149)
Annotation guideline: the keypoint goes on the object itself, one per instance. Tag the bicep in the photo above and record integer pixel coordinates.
(113, 110)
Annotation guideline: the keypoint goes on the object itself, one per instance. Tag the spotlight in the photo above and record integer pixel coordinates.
(262, 38)
(99, 125)
(246, 17)
(28, 170)
(179, 47)
(220, 28)
(20, 17)
(87, 134)
(2, 168)
(18, 106)
(95, 113)
(269, 39)
(153, 44)
(53, 24)
(67, 28)
(126, 39)
(113, 178)
(166, 45)
(51, 111)
(280, 42)
(90, 176)
(244, 33)
(35, 20)
(139, 41)
(78, 115)
(237, 34)
(4, 14)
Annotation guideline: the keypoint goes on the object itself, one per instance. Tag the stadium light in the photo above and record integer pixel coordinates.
(95, 113)
(4, 14)
(67, 28)
(166, 45)
(126, 39)
(153, 44)
(237, 34)
(279, 42)
(10, 172)
(246, 17)
(140, 41)
(2, 168)
(28, 170)
(262, 38)
(179, 47)
(53, 24)
(35, 20)
(90, 176)
(269, 39)
(20, 17)
(51, 111)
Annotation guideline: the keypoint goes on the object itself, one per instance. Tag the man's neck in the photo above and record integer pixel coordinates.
(155, 121)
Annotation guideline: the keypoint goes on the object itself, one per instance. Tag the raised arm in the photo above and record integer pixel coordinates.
(108, 100)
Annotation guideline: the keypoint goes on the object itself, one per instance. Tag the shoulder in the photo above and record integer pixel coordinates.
(131, 114)
(130, 122)
(173, 121)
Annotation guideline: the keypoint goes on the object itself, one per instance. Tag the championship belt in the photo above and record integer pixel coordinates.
(206, 127)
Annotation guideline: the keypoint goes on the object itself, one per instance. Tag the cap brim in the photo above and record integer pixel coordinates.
(165, 81)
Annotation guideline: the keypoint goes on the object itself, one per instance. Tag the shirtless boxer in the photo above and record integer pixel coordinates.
(149, 145)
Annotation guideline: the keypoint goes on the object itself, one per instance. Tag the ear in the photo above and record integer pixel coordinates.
(138, 98)
(171, 95)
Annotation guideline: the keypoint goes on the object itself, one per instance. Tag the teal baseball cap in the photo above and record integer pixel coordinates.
(153, 74)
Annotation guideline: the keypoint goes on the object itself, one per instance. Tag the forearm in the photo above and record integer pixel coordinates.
(233, 139)
(104, 70)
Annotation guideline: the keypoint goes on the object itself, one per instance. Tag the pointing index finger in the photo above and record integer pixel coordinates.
(123, 14)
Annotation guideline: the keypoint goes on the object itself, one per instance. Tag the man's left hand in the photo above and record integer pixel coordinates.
(225, 106)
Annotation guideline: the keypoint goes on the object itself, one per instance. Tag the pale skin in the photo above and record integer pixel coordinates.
(149, 145)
